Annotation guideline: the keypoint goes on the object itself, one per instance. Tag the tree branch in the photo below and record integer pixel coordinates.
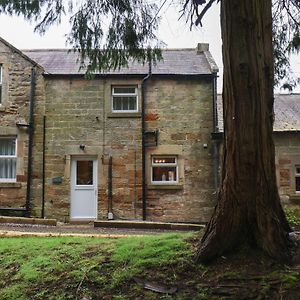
(203, 12)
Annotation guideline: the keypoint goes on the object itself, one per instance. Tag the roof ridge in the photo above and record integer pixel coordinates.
(71, 49)
(46, 49)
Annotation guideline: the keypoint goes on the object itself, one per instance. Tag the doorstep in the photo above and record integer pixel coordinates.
(31, 221)
(148, 225)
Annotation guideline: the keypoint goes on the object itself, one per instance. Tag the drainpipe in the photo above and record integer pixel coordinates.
(30, 142)
(110, 215)
(30, 127)
(215, 139)
(144, 191)
(43, 180)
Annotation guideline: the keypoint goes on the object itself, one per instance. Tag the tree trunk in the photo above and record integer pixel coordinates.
(249, 208)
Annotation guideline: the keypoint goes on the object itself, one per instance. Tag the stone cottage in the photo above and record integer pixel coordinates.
(127, 144)
(287, 143)
(286, 135)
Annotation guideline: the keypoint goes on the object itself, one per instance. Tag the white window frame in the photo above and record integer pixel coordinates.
(115, 95)
(297, 175)
(163, 164)
(10, 157)
(1, 83)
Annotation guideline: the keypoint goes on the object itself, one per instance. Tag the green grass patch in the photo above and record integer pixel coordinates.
(60, 268)
(66, 268)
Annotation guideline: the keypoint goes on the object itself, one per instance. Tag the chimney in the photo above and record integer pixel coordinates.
(201, 47)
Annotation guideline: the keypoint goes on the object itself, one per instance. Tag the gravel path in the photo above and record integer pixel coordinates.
(71, 230)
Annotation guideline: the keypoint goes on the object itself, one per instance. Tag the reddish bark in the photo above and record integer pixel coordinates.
(249, 207)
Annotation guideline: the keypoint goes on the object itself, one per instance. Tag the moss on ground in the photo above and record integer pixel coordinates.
(104, 268)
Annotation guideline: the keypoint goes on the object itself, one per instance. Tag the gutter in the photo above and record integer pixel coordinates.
(144, 190)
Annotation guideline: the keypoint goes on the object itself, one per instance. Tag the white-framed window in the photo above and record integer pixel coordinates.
(164, 169)
(297, 178)
(1, 78)
(124, 99)
(8, 159)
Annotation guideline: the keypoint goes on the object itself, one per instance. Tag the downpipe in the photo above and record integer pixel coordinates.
(143, 104)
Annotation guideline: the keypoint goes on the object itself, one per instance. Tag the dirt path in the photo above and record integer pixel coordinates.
(19, 230)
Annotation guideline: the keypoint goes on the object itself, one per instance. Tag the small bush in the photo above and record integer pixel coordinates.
(292, 215)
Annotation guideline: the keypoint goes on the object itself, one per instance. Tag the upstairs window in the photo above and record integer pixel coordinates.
(1, 75)
(8, 159)
(297, 178)
(164, 170)
(124, 99)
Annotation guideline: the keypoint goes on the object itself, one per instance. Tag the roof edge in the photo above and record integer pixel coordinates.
(16, 50)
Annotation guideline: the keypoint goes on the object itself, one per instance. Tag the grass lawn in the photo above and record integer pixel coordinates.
(125, 268)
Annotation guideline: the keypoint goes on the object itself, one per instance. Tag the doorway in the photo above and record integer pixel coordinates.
(84, 188)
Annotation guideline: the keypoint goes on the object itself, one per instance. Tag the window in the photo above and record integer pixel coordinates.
(1, 72)
(84, 171)
(164, 170)
(124, 99)
(297, 178)
(8, 159)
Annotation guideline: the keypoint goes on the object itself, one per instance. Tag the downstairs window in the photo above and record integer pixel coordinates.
(8, 159)
(297, 178)
(164, 170)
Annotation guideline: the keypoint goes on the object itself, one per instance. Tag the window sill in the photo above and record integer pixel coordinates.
(165, 187)
(295, 197)
(10, 185)
(124, 115)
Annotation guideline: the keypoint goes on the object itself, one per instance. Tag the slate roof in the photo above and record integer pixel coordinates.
(287, 112)
(286, 108)
(175, 62)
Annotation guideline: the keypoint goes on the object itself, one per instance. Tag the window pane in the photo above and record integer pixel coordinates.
(298, 170)
(1, 83)
(124, 90)
(132, 103)
(164, 174)
(8, 147)
(164, 160)
(8, 168)
(297, 184)
(84, 172)
(124, 103)
(117, 103)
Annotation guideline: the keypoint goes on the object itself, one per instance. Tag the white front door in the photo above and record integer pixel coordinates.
(84, 188)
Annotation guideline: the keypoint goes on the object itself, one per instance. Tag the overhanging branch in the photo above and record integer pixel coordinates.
(203, 12)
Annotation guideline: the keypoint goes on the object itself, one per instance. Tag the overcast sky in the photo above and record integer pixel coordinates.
(175, 33)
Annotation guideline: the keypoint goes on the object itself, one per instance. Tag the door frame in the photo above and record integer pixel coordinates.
(73, 173)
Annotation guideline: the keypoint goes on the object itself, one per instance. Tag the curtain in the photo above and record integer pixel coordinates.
(8, 159)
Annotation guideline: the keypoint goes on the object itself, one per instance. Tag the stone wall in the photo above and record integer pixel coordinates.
(79, 112)
(181, 110)
(287, 158)
(14, 108)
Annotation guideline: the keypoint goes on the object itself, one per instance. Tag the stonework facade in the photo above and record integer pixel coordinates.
(78, 112)
(16, 89)
(286, 134)
(87, 160)
(287, 162)
(120, 146)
